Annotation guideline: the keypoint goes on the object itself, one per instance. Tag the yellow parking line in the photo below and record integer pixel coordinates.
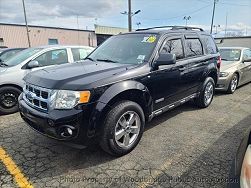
(14, 170)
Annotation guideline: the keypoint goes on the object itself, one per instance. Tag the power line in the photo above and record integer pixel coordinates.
(224, 3)
(182, 15)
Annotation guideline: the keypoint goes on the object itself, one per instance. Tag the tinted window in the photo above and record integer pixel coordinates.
(210, 47)
(53, 57)
(193, 47)
(80, 53)
(174, 47)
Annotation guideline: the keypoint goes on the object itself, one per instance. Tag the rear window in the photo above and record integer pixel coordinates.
(193, 47)
(210, 47)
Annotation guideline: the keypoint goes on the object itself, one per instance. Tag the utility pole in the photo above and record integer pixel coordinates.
(226, 26)
(129, 15)
(212, 22)
(27, 28)
(78, 30)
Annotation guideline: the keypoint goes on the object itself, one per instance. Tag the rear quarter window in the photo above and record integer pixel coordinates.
(209, 44)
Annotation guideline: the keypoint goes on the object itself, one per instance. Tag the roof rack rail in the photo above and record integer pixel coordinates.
(173, 28)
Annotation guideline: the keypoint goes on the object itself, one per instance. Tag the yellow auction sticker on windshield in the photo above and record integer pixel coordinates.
(149, 39)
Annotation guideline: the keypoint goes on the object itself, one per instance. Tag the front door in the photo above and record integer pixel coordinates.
(166, 83)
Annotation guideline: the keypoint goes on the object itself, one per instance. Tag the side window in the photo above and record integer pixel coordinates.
(54, 57)
(247, 54)
(79, 53)
(210, 47)
(174, 47)
(193, 47)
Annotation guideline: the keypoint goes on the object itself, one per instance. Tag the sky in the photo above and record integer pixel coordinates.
(83, 14)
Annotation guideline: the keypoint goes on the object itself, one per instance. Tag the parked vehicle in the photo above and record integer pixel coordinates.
(7, 53)
(240, 174)
(236, 68)
(126, 81)
(13, 70)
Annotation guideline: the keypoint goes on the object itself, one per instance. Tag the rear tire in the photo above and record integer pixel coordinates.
(123, 128)
(206, 95)
(233, 84)
(9, 99)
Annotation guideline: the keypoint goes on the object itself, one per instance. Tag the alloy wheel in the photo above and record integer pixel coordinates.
(127, 129)
(208, 94)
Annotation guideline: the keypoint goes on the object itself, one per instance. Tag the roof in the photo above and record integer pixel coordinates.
(233, 37)
(105, 30)
(237, 48)
(62, 46)
(46, 27)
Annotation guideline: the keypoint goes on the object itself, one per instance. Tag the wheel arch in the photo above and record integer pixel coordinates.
(214, 75)
(12, 85)
(128, 90)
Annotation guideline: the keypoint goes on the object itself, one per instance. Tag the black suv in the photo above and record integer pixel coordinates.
(125, 82)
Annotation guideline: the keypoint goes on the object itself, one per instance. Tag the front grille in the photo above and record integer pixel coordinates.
(37, 97)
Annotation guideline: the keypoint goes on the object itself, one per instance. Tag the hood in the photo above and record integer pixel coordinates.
(75, 76)
(227, 65)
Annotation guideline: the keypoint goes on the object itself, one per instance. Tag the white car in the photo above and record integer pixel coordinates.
(13, 71)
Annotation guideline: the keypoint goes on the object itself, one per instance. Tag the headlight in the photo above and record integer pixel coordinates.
(65, 99)
(224, 74)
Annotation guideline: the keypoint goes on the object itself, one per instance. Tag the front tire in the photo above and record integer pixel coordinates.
(9, 99)
(233, 84)
(206, 95)
(123, 128)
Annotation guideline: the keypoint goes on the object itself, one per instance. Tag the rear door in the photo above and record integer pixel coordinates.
(197, 63)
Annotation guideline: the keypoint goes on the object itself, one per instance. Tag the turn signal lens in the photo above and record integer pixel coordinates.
(84, 96)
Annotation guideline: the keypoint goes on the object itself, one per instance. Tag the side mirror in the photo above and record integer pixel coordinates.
(165, 59)
(33, 64)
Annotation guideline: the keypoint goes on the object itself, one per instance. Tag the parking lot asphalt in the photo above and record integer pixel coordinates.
(185, 147)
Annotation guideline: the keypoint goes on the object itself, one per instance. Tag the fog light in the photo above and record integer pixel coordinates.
(67, 131)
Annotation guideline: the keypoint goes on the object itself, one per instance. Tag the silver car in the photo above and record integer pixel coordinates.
(235, 68)
(31, 59)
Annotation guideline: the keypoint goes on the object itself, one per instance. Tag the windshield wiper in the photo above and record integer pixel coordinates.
(107, 60)
(89, 59)
(224, 59)
(2, 64)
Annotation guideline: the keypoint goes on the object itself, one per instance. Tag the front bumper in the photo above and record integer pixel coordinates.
(56, 123)
(223, 83)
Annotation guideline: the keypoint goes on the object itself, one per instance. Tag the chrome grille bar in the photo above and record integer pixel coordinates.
(37, 97)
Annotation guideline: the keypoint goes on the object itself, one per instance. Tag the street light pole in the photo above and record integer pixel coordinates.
(27, 29)
(212, 22)
(129, 15)
(187, 18)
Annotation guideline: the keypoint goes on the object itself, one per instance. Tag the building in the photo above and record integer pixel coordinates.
(244, 41)
(15, 35)
(104, 32)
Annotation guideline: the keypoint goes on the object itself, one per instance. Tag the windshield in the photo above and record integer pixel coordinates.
(126, 49)
(230, 54)
(20, 57)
